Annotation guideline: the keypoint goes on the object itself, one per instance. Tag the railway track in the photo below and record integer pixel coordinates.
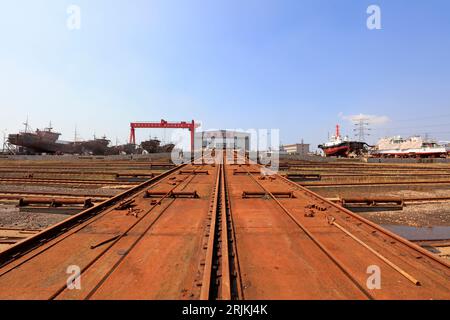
(20, 194)
(56, 181)
(386, 183)
(85, 172)
(75, 166)
(374, 175)
(361, 165)
(219, 231)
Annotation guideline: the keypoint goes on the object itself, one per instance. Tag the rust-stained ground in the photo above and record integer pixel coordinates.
(164, 240)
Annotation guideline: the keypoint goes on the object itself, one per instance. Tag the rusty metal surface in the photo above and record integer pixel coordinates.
(278, 259)
(10, 236)
(220, 231)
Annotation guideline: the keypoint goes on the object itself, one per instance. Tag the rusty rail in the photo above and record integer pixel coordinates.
(330, 255)
(24, 246)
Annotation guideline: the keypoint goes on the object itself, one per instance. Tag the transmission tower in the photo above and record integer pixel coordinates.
(361, 129)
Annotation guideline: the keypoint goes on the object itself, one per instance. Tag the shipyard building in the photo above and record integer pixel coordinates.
(223, 139)
(298, 148)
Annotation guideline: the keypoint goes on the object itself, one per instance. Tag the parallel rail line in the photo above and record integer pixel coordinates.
(195, 233)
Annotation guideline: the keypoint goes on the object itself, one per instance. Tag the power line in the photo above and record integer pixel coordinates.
(419, 126)
(424, 117)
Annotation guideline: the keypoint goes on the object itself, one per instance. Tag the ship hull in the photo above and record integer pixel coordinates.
(154, 146)
(412, 153)
(343, 149)
(37, 144)
(338, 151)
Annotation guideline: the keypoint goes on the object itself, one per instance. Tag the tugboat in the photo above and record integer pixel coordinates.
(342, 146)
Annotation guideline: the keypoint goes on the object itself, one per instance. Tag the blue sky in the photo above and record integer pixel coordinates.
(300, 66)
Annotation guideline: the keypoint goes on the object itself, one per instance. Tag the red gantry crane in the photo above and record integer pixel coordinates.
(164, 125)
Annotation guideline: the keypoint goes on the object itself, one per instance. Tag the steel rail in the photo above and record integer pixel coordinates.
(133, 245)
(366, 166)
(142, 166)
(332, 221)
(336, 261)
(225, 263)
(350, 184)
(237, 270)
(297, 175)
(68, 234)
(23, 247)
(368, 223)
(53, 194)
(63, 181)
(60, 172)
(44, 198)
(208, 268)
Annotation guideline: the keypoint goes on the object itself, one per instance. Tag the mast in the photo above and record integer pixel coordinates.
(49, 129)
(26, 125)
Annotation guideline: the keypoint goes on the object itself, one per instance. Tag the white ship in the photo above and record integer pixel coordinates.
(408, 148)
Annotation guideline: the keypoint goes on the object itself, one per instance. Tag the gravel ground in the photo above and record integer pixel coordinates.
(106, 191)
(10, 217)
(415, 215)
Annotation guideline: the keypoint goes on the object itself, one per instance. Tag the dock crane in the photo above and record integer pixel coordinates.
(164, 125)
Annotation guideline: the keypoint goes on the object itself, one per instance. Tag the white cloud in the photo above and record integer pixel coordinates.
(372, 119)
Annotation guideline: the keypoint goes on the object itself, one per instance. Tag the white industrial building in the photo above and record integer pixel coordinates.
(298, 148)
(223, 139)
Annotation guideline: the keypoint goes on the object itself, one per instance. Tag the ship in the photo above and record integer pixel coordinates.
(41, 141)
(98, 146)
(339, 146)
(47, 141)
(154, 146)
(413, 147)
(128, 148)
